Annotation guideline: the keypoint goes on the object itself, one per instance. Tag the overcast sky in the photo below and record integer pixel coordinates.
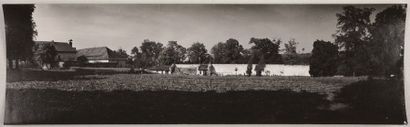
(125, 26)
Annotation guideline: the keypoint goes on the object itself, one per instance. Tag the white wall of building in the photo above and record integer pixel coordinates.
(272, 69)
(98, 61)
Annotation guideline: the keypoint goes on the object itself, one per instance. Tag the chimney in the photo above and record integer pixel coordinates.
(70, 42)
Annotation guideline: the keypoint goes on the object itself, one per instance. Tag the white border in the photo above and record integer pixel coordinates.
(211, 1)
(3, 51)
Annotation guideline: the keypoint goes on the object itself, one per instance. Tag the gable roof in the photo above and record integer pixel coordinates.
(98, 53)
(59, 46)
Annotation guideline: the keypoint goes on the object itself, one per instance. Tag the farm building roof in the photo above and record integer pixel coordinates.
(59, 46)
(98, 53)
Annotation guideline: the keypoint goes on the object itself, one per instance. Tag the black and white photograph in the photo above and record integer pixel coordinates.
(94, 63)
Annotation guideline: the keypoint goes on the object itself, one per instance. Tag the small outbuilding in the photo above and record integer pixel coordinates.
(203, 69)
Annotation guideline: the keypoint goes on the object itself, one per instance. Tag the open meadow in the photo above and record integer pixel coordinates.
(189, 83)
(156, 98)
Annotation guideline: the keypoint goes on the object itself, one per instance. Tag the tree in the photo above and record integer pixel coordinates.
(197, 54)
(121, 53)
(388, 41)
(260, 66)
(45, 54)
(131, 61)
(228, 52)
(233, 51)
(290, 47)
(20, 31)
(82, 60)
(246, 56)
(218, 51)
(150, 51)
(136, 58)
(323, 61)
(268, 48)
(296, 59)
(134, 51)
(290, 56)
(353, 36)
(249, 67)
(172, 54)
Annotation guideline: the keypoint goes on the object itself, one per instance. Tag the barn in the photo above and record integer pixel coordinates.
(101, 57)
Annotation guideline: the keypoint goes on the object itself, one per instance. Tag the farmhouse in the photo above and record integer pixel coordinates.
(101, 56)
(65, 51)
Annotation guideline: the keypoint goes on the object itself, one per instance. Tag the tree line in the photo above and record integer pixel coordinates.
(152, 53)
(362, 47)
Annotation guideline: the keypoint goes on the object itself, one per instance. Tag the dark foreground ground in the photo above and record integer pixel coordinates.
(361, 102)
(369, 102)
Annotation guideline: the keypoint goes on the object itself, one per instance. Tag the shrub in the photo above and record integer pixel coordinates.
(249, 68)
(323, 61)
(260, 66)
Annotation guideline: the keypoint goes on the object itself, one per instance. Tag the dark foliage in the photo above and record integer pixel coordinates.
(121, 53)
(296, 59)
(268, 48)
(229, 52)
(20, 31)
(249, 67)
(260, 66)
(246, 56)
(136, 58)
(198, 54)
(45, 54)
(82, 60)
(150, 52)
(290, 47)
(374, 101)
(172, 54)
(353, 37)
(370, 48)
(387, 44)
(135, 51)
(323, 61)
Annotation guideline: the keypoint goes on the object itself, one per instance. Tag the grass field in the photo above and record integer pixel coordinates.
(189, 83)
(155, 98)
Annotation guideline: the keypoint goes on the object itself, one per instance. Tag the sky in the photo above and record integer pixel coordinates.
(126, 26)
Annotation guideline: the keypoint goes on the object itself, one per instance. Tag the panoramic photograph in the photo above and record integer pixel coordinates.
(204, 63)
